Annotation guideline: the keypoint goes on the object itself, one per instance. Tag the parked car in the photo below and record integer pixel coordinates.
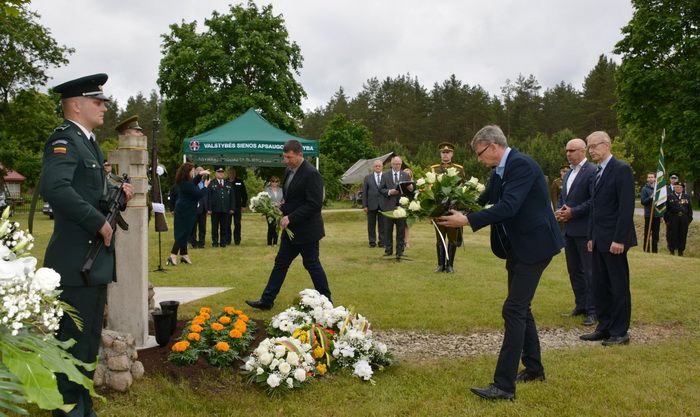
(4, 202)
(47, 210)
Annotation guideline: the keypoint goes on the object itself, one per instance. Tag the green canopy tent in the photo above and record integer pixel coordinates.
(248, 140)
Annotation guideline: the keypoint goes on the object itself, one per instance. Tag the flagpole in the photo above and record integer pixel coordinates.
(653, 201)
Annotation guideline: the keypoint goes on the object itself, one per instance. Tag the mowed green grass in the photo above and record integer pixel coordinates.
(661, 378)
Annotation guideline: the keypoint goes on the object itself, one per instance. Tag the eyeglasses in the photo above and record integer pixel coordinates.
(594, 145)
(478, 154)
(574, 150)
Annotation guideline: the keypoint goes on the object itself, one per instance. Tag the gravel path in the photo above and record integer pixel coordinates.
(430, 345)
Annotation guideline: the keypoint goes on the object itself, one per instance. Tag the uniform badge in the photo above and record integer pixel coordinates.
(59, 142)
(60, 150)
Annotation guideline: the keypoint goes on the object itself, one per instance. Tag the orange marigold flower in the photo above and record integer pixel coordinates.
(196, 328)
(243, 317)
(240, 326)
(224, 319)
(321, 368)
(222, 346)
(318, 352)
(180, 346)
(229, 310)
(206, 310)
(235, 334)
(217, 326)
(194, 337)
(198, 320)
(206, 316)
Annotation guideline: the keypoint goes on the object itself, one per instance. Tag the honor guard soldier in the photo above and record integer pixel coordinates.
(129, 127)
(679, 214)
(219, 206)
(73, 181)
(453, 237)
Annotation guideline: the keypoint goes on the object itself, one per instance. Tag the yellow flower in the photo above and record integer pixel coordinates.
(318, 352)
(180, 346)
(301, 335)
(194, 337)
(235, 334)
(217, 326)
(222, 346)
(321, 368)
(224, 319)
(196, 328)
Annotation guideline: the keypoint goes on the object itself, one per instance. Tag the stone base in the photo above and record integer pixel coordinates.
(117, 365)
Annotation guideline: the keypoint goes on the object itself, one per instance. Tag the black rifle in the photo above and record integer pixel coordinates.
(116, 202)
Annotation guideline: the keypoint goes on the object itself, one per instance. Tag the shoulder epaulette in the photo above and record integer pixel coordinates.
(62, 127)
(458, 166)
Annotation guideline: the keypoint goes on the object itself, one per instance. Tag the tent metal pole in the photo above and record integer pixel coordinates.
(317, 158)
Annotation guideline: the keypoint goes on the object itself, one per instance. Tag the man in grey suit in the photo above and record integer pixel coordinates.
(388, 188)
(370, 203)
(572, 209)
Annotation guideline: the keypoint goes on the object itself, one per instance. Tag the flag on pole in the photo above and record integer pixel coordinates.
(660, 188)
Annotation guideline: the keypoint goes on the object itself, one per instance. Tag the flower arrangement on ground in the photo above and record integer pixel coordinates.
(337, 337)
(30, 312)
(280, 364)
(262, 204)
(222, 337)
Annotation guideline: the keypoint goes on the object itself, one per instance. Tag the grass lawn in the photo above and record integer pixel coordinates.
(659, 378)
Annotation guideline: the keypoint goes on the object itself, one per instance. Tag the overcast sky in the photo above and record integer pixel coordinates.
(345, 42)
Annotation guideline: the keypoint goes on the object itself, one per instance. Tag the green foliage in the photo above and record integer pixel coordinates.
(599, 97)
(657, 82)
(27, 51)
(342, 144)
(242, 59)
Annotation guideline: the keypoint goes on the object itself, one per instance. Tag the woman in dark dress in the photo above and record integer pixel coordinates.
(188, 194)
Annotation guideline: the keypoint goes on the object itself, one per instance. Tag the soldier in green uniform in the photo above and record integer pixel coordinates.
(129, 127)
(453, 236)
(220, 204)
(73, 182)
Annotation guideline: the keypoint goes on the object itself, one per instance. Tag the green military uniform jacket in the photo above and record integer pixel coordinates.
(73, 182)
(221, 198)
(442, 169)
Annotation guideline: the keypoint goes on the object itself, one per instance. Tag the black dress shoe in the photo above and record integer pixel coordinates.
(449, 269)
(594, 336)
(214, 245)
(526, 376)
(492, 392)
(440, 268)
(259, 304)
(617, 340)
(589, 320)
(575, 312)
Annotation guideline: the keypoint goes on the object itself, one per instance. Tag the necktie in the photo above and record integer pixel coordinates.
(221, 183)
(598, 174)
(377, 179)
(396, 177)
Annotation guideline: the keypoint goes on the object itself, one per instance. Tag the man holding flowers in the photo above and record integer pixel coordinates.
(447, 244)
(389, 189)
(525, 234)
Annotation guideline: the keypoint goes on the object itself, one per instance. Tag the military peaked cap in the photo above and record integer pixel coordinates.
(220, 169)
(446, 146)
(89, 86)
(130, 123)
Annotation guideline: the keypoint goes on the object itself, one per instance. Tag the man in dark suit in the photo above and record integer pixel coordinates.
(388, 188)
(240, 200)
(199, 231)
(525, 234)
(370, 203)
(302, 192)
(73, 182)
(220, 203)
(611, 233)
(572, 209)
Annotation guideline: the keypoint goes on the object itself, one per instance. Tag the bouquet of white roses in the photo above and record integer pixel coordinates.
(30, 313)
(356, 347)
(280, 364)
(262, 204)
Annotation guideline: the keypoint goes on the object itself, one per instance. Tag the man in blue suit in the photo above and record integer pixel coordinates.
(302, 196)
(610, 235)
(572, 209)
(525, 234)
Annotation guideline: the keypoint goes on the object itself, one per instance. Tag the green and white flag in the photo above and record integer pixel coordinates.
(661, 186)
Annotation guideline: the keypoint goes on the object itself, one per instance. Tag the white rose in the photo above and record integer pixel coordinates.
(430, 177)
(420, 182)
(11, 269)
(414, 206)
(292, 358)
(273, 381)
(363, 369)
(285, 368)
(451, 172)
(381, 347)
(300, 375)
(400, 212)
(280, 351)
(480, 188)
(266, 358)
(290, 383)
(46, 279)
(259, 371)
(403, 201)
(4, 251)
(440, 177)
(274, 363)
(473, 181)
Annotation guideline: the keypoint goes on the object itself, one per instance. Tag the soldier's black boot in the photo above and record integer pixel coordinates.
(452, 250)
(441, 259)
